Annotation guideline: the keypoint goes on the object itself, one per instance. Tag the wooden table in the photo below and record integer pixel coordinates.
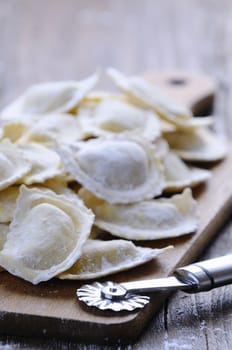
(53, 40)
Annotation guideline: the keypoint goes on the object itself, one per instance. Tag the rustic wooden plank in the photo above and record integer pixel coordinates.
(196, 91)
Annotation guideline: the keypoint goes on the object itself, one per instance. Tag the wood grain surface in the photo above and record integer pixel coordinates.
(41, 40)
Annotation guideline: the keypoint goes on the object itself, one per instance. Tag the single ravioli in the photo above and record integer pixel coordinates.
(111, 117)
(52, 128)
(90, 101)
(46, 235)
(119, 170)
(8, 199)
(190, 125)
(178, 175)
(45, 163)
(51, 97)
(102, 258)
(143, 93)
(146, 220)
(199, 145)
(13, 165)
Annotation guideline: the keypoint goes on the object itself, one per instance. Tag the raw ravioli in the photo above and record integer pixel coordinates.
(8, 199)
(119, 170)
(146, 220)
(178, 175)
(52, 128)
(46, 235)
(45, 163)
(52, 97)
(201, 145)
(102, 258)
(110, 117)
(145, 94)
(13, 165)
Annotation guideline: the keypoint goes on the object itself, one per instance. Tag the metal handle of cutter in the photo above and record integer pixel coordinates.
(193, 278)
(207, 274)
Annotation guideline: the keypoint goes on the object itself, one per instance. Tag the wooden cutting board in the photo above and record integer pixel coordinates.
(51, 308)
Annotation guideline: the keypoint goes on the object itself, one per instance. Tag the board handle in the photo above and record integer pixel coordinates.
(195, 91)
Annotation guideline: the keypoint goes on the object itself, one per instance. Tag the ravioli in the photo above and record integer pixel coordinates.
(102, 258)
(13, 165)
(52, 128)
(119, 170)
(111, 116)
(8, 199)
(201, 145)
(52, 97)
(146, 220)
(145, 94)
(46, 235)
(178, 175)
(45, 163)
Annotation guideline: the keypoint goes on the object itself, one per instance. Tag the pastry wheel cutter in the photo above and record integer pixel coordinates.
(194, 278)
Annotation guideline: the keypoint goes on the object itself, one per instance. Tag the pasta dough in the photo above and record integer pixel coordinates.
(54, 97)
(178, 175)
(45, 163)
(116, 169)
(13, 165)
(111, 116)
(146, 220)
(201, 145)
(46, 235)
(52, 128)
(8, 199)
(102, 258)
(145, 94)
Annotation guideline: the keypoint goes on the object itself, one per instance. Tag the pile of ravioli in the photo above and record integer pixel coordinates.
(75, 162)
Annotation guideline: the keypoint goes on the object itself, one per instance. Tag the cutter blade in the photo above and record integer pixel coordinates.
(93, 295)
